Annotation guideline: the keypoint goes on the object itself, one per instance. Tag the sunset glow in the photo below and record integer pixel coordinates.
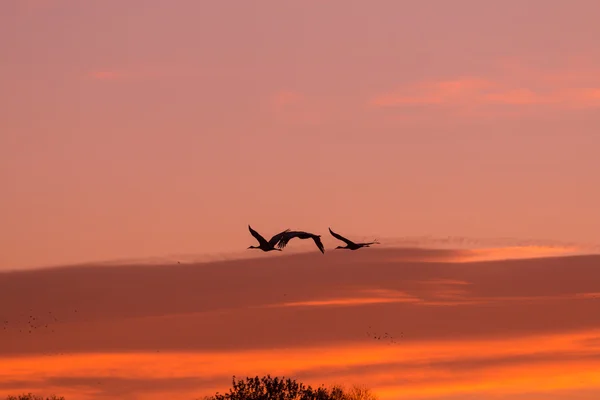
(538, 363)
(445, 328)
(140, 140)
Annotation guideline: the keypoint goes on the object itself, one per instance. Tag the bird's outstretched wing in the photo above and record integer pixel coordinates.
(319, 244)
(285, 237)
(277, 238)
(261, 240)
(340, 237)
(289, 235)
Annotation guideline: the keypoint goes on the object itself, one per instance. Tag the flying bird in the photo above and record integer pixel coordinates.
(350, 245)
(289, 235)
(262, 242)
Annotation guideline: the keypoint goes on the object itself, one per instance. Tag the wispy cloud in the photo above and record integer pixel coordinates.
(515, 252)
(463, 90)
(464, 248)
(471, 92)
(522, 86)
(370, 296)
(348, 301)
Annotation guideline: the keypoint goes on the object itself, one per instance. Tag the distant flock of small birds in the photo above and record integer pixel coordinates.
(386, 336)
(280, 240)
(277, 242)
(33, 323)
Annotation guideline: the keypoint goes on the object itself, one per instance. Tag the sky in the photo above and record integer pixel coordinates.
(140, 129)
(140, 138)
(455, 330)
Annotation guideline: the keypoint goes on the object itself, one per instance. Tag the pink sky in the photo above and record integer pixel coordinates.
(147, 128)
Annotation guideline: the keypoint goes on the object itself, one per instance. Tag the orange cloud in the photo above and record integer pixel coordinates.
(542, 88)
(458, 94)
(540, 363)
(479, 249)
(508, 253)
(381, 296)
(515, 252)
(428, 93)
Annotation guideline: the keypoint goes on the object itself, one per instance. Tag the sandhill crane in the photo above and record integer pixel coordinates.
(287, 236)
(350, 245)
(263, 244)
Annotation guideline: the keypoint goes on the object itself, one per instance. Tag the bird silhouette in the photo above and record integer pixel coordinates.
(386, 337)
(262, 242)
(289, 235)
(350, 245)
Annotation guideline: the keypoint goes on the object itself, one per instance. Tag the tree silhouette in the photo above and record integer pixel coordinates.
(268, 388)
(358, 393)
(30, 396)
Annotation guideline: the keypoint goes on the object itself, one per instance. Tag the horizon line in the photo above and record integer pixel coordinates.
(465, 244)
